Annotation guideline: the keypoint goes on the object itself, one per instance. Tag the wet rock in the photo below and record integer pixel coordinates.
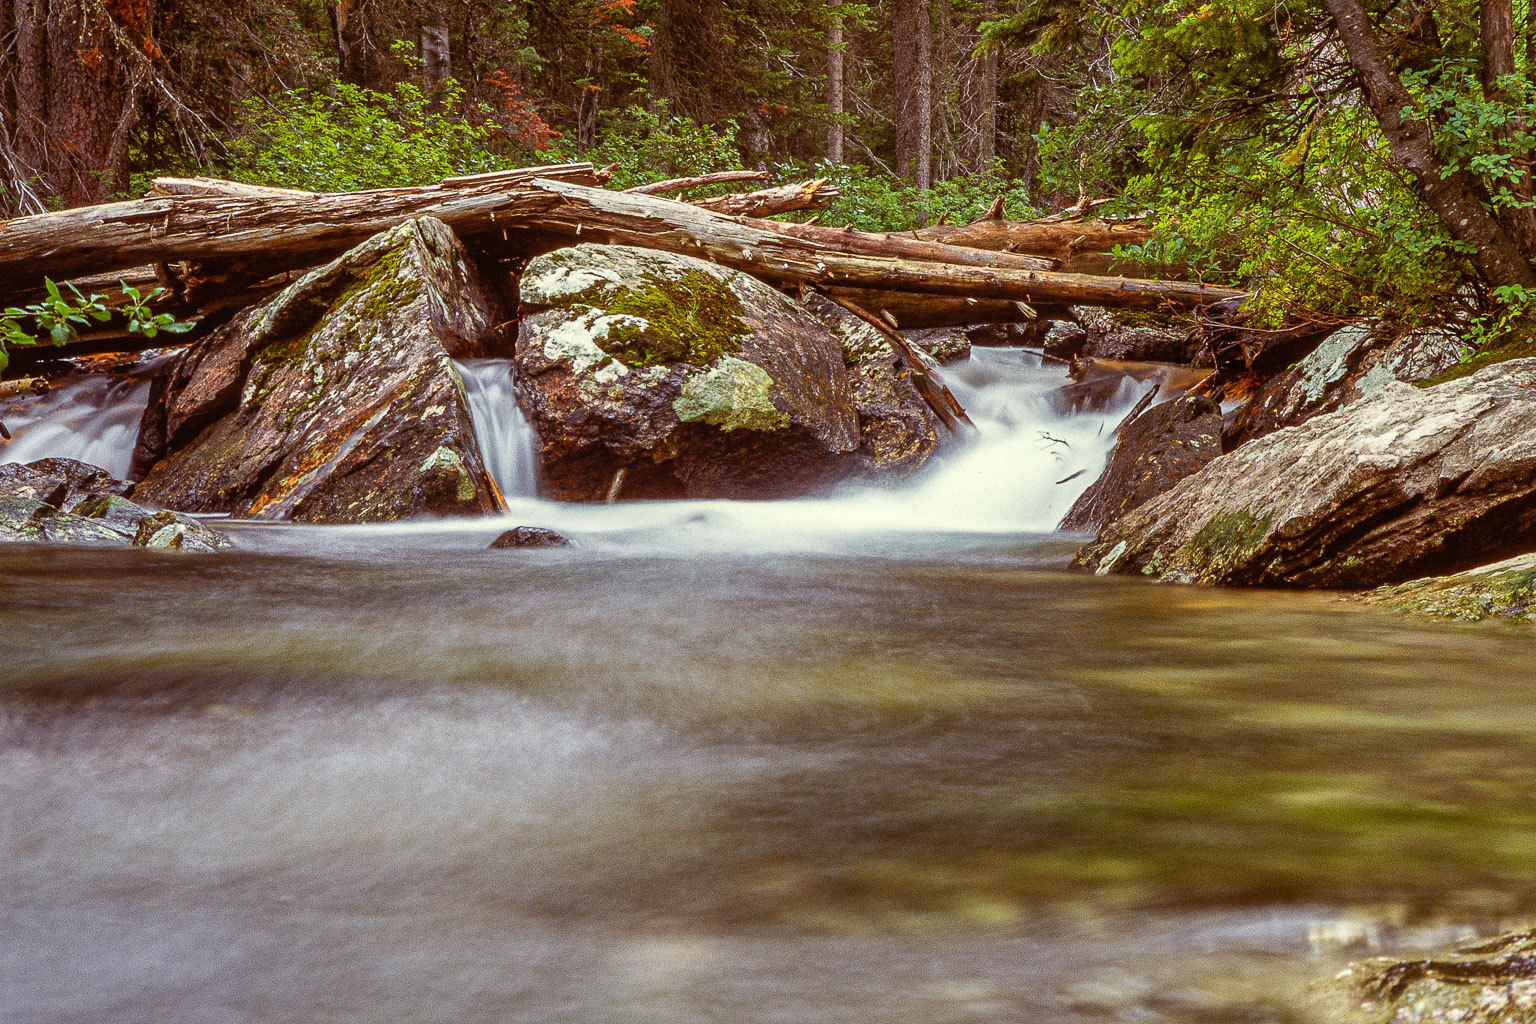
(1405, 482)
(174, 531)
(1065, 339)
(694, 379)
(1491, 982)
(1153, 452)
(1503, 590)
(898, 433)
(530, 537)
(1349, 364)
(335, 401)
(942, 344)
(34, 499)
(1109, 338)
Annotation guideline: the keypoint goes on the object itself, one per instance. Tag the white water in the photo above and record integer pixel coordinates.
(1020, 474)
(92, 417)
(507, 441)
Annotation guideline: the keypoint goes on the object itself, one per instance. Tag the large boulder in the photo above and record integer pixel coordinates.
(335, 401)
(61, 501)
(1349, 364)
(1153, 452)
(1406, 482)
(693, 379)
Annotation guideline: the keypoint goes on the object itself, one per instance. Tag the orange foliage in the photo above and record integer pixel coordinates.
(515, 117)
(134, 18)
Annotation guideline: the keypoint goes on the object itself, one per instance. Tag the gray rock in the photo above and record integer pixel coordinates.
(1153, 452)
(898, 433)
(100, 516)
(1109, 338)
(1503, 590)
(174, 531)
(1405, 482)
(530, 537)
(335, 401)
(942, 344)
(695, 379)
(1065, 340)
(1348, 365)
(1487, 982)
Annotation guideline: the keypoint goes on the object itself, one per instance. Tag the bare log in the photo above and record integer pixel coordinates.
(805, 195)
(279, 232)
(1079, 246)
(657, 188)
(287, 230)
(912, 310)
(769, 250)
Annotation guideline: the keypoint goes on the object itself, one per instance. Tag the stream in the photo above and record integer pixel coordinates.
(872, 757)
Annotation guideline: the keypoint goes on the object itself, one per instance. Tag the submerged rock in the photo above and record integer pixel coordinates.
(693, 379)
(335, 401)
(1491, 982)
(1348, 365)
(1503, 590)
(1153, 452)
(530, 537)
(1406, 482)
(34, 499)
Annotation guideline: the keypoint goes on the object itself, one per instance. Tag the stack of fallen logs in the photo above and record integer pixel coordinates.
(218, 246)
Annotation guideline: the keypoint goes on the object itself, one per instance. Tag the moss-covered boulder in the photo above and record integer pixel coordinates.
(1491, 982)
(1503, 591)
(1349, 364)
(694, 379)
(1404, 483)
(335, 401)
(61, 501)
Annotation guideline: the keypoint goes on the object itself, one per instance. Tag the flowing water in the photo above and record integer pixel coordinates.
(869, 758)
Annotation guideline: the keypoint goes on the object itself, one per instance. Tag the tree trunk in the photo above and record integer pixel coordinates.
(1497, 29)
(357, 59)
(922, 169)
(1456, 197)
(904, 84)
(302, 229)
(986, 98)
(835, 87)
(69, 93)
(436, 62)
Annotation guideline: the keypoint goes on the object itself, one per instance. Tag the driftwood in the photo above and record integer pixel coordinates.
(656, 188)
(929, 384)
(295, 230)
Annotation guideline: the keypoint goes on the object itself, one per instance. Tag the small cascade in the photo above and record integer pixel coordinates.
(507, 441)
(91, 417)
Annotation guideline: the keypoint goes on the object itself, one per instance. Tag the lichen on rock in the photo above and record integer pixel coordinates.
(733, 394)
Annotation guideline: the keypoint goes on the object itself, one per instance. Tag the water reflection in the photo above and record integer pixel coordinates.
(441, 783)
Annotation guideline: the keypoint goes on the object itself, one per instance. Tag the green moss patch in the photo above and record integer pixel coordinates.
(1518, 349)
(693, 319)
(1507, 595)
(1225, 541)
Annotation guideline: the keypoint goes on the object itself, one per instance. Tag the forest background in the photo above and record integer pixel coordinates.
(1289, 147)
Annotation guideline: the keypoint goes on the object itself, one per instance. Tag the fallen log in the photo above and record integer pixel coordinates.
(23, 386)
(804, 195)
(656, 188)
(286, 231)
(912, 310)
(767, 250)
(1081, 246)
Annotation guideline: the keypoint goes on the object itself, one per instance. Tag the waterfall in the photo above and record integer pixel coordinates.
(92, 417)
(507, 441)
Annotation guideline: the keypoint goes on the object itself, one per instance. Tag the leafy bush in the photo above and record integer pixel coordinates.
(649, 145)
(877, 202)
(58, 317)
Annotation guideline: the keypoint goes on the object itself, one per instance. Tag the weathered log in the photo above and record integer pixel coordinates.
(912, 310)
(805, 195)
(286, 230)
(298, 230)
(767, 249)
(656, 188)
(1080, 246)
